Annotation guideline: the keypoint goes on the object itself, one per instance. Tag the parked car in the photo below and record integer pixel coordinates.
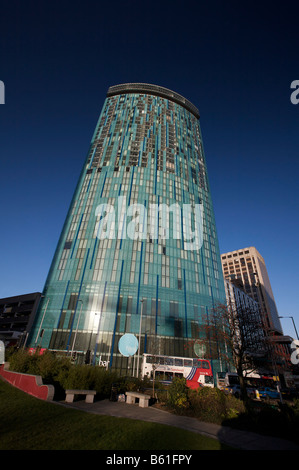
(231, 389)
(236, 391)
(267, 392)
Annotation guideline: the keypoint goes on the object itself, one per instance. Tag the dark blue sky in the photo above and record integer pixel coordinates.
(234, 60)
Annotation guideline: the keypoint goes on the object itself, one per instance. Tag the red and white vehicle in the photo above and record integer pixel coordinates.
(197, 372)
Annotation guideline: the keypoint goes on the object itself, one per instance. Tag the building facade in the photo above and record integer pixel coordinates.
(17, 315)
(237, 298)
(249, 266)
(241, 304)
(270, 355)
(138, 254)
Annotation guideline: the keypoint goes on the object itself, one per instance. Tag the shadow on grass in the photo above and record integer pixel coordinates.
(274, 419)
(31, 424)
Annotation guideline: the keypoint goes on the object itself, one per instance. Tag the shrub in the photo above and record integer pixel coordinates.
(88, 377)
(178, 395)
(59, 371)
(213, 405)
(135, 384)
(105, 379)
(21, 361)
(78, 377)
(296, 408)
(48, 365)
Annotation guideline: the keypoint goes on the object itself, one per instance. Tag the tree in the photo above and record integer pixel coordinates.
(277, 356)
(235, 335)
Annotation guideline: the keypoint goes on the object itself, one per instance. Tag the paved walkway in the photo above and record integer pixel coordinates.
(232, 437)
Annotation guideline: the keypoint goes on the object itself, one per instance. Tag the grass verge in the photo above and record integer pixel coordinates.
(31, 424)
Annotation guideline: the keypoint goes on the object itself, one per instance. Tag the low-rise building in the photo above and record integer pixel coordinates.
(16, 317)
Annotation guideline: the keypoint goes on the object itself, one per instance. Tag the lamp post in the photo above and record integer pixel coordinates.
(101, 313)
(75, 336)
(97, 337)
(139, 339)
(39, 330)
(293, 325)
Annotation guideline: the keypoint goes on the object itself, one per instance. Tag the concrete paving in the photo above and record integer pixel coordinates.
(235, 438)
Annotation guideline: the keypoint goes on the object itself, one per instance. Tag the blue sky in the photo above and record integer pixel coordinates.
(234, 60)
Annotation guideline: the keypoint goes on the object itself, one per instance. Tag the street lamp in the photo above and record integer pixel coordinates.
(293, 324)
(139, 336)
(40, 333)
(97, 337)
(75, 337)
(101, 313)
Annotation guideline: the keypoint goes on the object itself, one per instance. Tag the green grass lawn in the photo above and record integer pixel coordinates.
(31, 424)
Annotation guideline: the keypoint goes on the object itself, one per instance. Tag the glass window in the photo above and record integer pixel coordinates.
(178, 362)
(188, 362)
(169, 361)
(208, 379)
(61, 320)
(178, 327)
(159, 374)
(197, 363)
(72, 302)
(70, 320)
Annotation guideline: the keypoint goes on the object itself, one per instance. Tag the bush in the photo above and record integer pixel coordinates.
(87, 377)
(50, 367)
(178, 395)
(280, 420)
(133, 384)
(206, 403)
(296, 407)
(213, 405)
(78, 377)
(21, 361)
(59, 372)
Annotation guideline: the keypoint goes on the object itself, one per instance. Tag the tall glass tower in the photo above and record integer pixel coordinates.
(126, 262)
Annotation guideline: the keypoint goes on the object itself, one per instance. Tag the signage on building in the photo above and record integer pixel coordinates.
(128, 345)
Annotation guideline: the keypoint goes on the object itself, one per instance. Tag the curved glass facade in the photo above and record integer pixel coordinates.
(126, 261)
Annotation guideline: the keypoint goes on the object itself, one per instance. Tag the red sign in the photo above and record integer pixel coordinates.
(33, 350)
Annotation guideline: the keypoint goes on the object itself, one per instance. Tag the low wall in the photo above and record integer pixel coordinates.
(31, 384)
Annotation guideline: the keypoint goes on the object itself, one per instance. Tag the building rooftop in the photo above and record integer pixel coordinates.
(153, 90)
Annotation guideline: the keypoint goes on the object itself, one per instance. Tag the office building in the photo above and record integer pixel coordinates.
(237, 298)
(138, 254)
(248, 265)
(243, 305)
(270, 353)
